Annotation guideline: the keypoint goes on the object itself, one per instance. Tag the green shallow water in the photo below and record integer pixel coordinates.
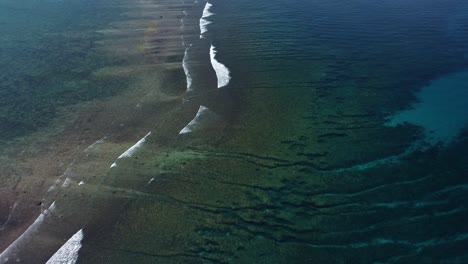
(48, 58)
(295, 177)
(296, 163)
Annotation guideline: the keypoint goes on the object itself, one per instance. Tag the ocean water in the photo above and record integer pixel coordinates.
(440, 109)
(238, 132)
(47, 60)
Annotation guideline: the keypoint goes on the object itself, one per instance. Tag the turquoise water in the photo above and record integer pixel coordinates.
(441, 108)
(255, 132)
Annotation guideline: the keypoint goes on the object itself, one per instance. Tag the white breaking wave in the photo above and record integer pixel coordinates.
(68, 253)
(67, 182)
(203, 20)
(52, 207)
(203, 26)
(32, 229)
(9, 252)
(206, 11)
(186, 69)
(222, 72)
(131, 151)
(204, 119)
(194, 123)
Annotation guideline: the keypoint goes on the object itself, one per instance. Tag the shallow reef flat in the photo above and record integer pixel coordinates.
(307, 169)
(131, 90)
(265, 193)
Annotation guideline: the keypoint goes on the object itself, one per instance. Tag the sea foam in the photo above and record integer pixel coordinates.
(203, 20)
(194, 123)
(205, 119)
(32, 230)
(187, 69)
(68, 253)
(222, 72)
(131, 151)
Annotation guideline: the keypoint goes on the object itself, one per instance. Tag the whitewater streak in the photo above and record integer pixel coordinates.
(222, 72)
(187, 69)
(10, 252)
(203, 20)
(204, 120)
(194, 123)
(68, 253)
(131, 151)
